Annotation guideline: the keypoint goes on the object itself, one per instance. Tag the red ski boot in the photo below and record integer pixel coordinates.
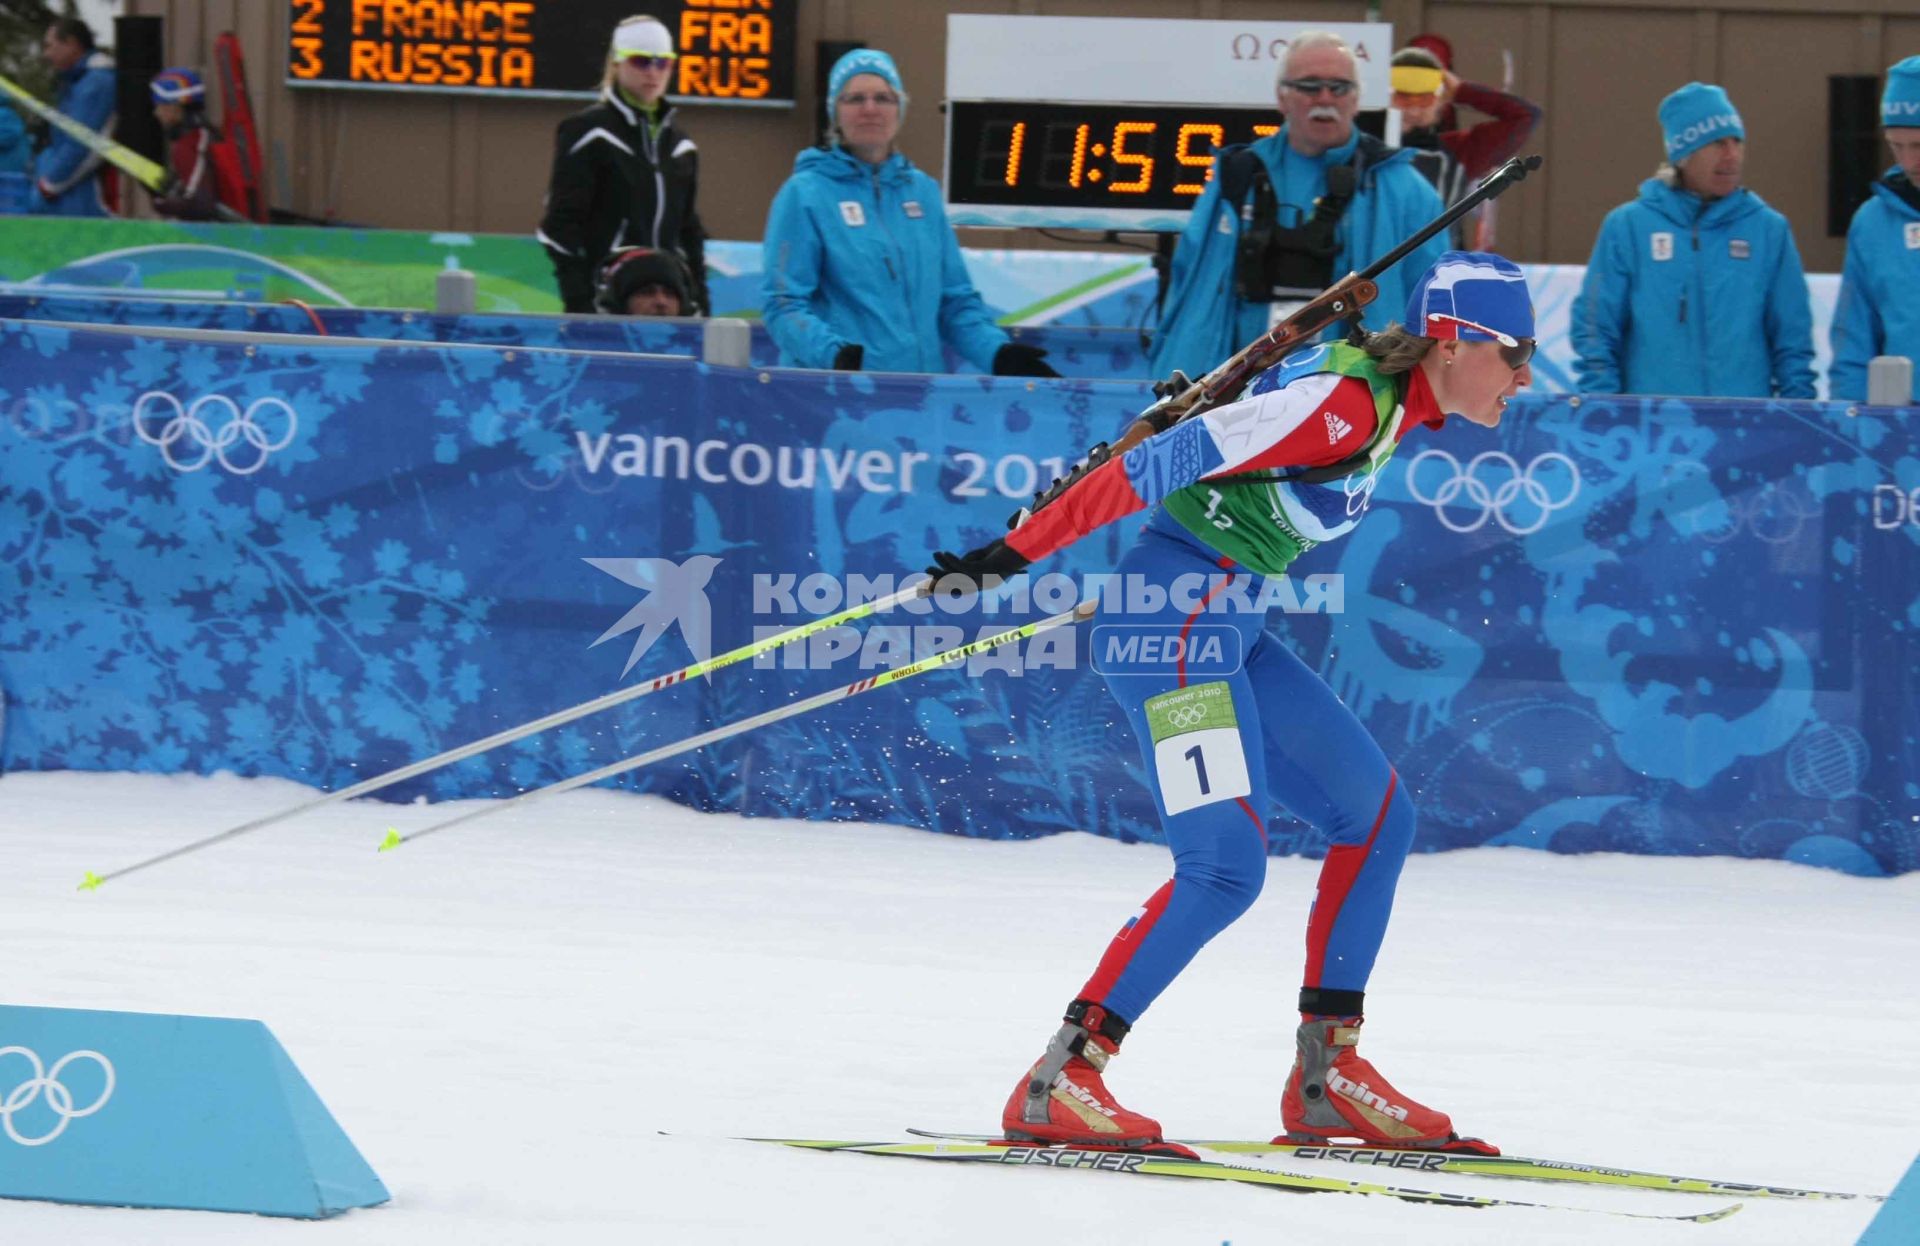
(1334, 1097)
(1062, 1099)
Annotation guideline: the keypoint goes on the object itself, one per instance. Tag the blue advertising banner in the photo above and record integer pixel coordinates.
(1615, 624)
(132, 1109)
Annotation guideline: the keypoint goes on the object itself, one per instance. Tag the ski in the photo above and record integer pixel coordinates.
(236, 116)
(1513, 1167)
(153, 176)
(1121, 1161)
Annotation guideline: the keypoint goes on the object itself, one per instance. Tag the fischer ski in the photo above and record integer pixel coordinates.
(1512, 1167)
(1126, 1161)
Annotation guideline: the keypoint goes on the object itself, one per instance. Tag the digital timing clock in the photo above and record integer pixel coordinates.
(1123, 133)
(729, 51)
(1147, 158)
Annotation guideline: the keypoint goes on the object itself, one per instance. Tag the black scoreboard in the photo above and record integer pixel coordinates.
(730, 51)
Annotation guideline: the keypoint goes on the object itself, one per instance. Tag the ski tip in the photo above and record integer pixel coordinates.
(1718, 1213)
(392, 840)
(91, 882)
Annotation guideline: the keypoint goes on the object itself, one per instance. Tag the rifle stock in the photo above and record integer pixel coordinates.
(1345, 298)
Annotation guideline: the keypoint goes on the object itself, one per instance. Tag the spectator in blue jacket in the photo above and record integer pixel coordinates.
(13, 142)
(1695, 287)
(862, 269)
(66, 175)
(1879, 309)
(1233, 277)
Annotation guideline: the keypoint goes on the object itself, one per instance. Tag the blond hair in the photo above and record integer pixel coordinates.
(1396, 349)
(611, 69)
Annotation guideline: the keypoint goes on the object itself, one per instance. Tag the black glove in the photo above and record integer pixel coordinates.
(848, 358)
(997, 561)
(1019, 359)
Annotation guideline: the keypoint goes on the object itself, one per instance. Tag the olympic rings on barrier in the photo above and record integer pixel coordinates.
(1493, 502)
(1776, 512)
(185, 422)
(47, 1082)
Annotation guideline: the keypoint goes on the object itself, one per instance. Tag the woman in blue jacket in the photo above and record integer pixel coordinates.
(1879, 309)
(863, 271)
(1695, 287)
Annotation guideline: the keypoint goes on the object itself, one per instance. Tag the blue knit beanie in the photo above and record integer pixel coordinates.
(1471, 296)
(863, 61)
(1900, 106)
(1697, 114)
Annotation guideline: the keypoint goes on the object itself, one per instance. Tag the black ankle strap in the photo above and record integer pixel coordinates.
(1318, 1001)
(1095, 1019)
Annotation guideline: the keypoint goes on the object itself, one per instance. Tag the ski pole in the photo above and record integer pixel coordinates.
(767, 644)
(1079, 613)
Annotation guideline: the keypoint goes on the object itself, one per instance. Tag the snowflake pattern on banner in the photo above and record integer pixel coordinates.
(1622, 625)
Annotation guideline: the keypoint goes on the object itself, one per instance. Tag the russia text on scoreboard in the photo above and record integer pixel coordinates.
(730, 51)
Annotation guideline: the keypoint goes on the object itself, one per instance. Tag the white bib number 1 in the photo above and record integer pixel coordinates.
(1198, 755)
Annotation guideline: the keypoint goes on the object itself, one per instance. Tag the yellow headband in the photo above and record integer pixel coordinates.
(1416, 80)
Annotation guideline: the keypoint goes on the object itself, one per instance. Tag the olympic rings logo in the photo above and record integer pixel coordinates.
(1359, 490)
(1520, 485)
(1191, 716)
(1776, 513)
(47, 1082)
(207, 444)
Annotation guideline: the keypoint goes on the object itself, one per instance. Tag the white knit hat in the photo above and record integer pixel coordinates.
(642, 36)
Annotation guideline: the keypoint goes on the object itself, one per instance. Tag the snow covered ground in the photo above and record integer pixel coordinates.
(506, 1017)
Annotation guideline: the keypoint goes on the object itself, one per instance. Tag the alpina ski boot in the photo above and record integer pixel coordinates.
(1335, 1097)
(1062, 1099)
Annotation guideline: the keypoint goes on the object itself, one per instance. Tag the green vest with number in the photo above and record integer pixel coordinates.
(1265, 519)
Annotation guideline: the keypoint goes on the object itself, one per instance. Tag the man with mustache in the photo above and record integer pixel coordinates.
(1695, 287)
(1281, 219)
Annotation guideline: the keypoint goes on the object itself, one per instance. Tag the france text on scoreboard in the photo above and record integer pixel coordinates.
(730, 51)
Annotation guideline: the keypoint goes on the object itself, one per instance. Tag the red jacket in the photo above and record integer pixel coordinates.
(206, 173)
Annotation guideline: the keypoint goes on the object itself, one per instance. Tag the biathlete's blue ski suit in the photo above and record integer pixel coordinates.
(1279, 735)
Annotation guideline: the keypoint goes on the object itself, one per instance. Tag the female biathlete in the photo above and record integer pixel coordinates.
(1242, 491)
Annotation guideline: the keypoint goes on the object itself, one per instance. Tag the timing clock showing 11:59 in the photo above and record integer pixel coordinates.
(1104, 158)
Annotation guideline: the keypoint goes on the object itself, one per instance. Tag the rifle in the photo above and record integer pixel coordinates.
(1344, 299)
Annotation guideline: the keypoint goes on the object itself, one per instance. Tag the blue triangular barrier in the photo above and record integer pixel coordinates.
(150, 1110)
(1898, 1223)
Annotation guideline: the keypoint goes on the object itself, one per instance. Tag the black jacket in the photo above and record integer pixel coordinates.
(615, 185)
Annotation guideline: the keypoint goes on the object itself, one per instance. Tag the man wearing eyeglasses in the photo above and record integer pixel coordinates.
(1281, 219)
(623, 175)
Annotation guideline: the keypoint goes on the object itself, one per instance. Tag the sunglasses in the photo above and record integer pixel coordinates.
(649, 62)
(882, 99)
(1339, 88)
(1515, 352)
